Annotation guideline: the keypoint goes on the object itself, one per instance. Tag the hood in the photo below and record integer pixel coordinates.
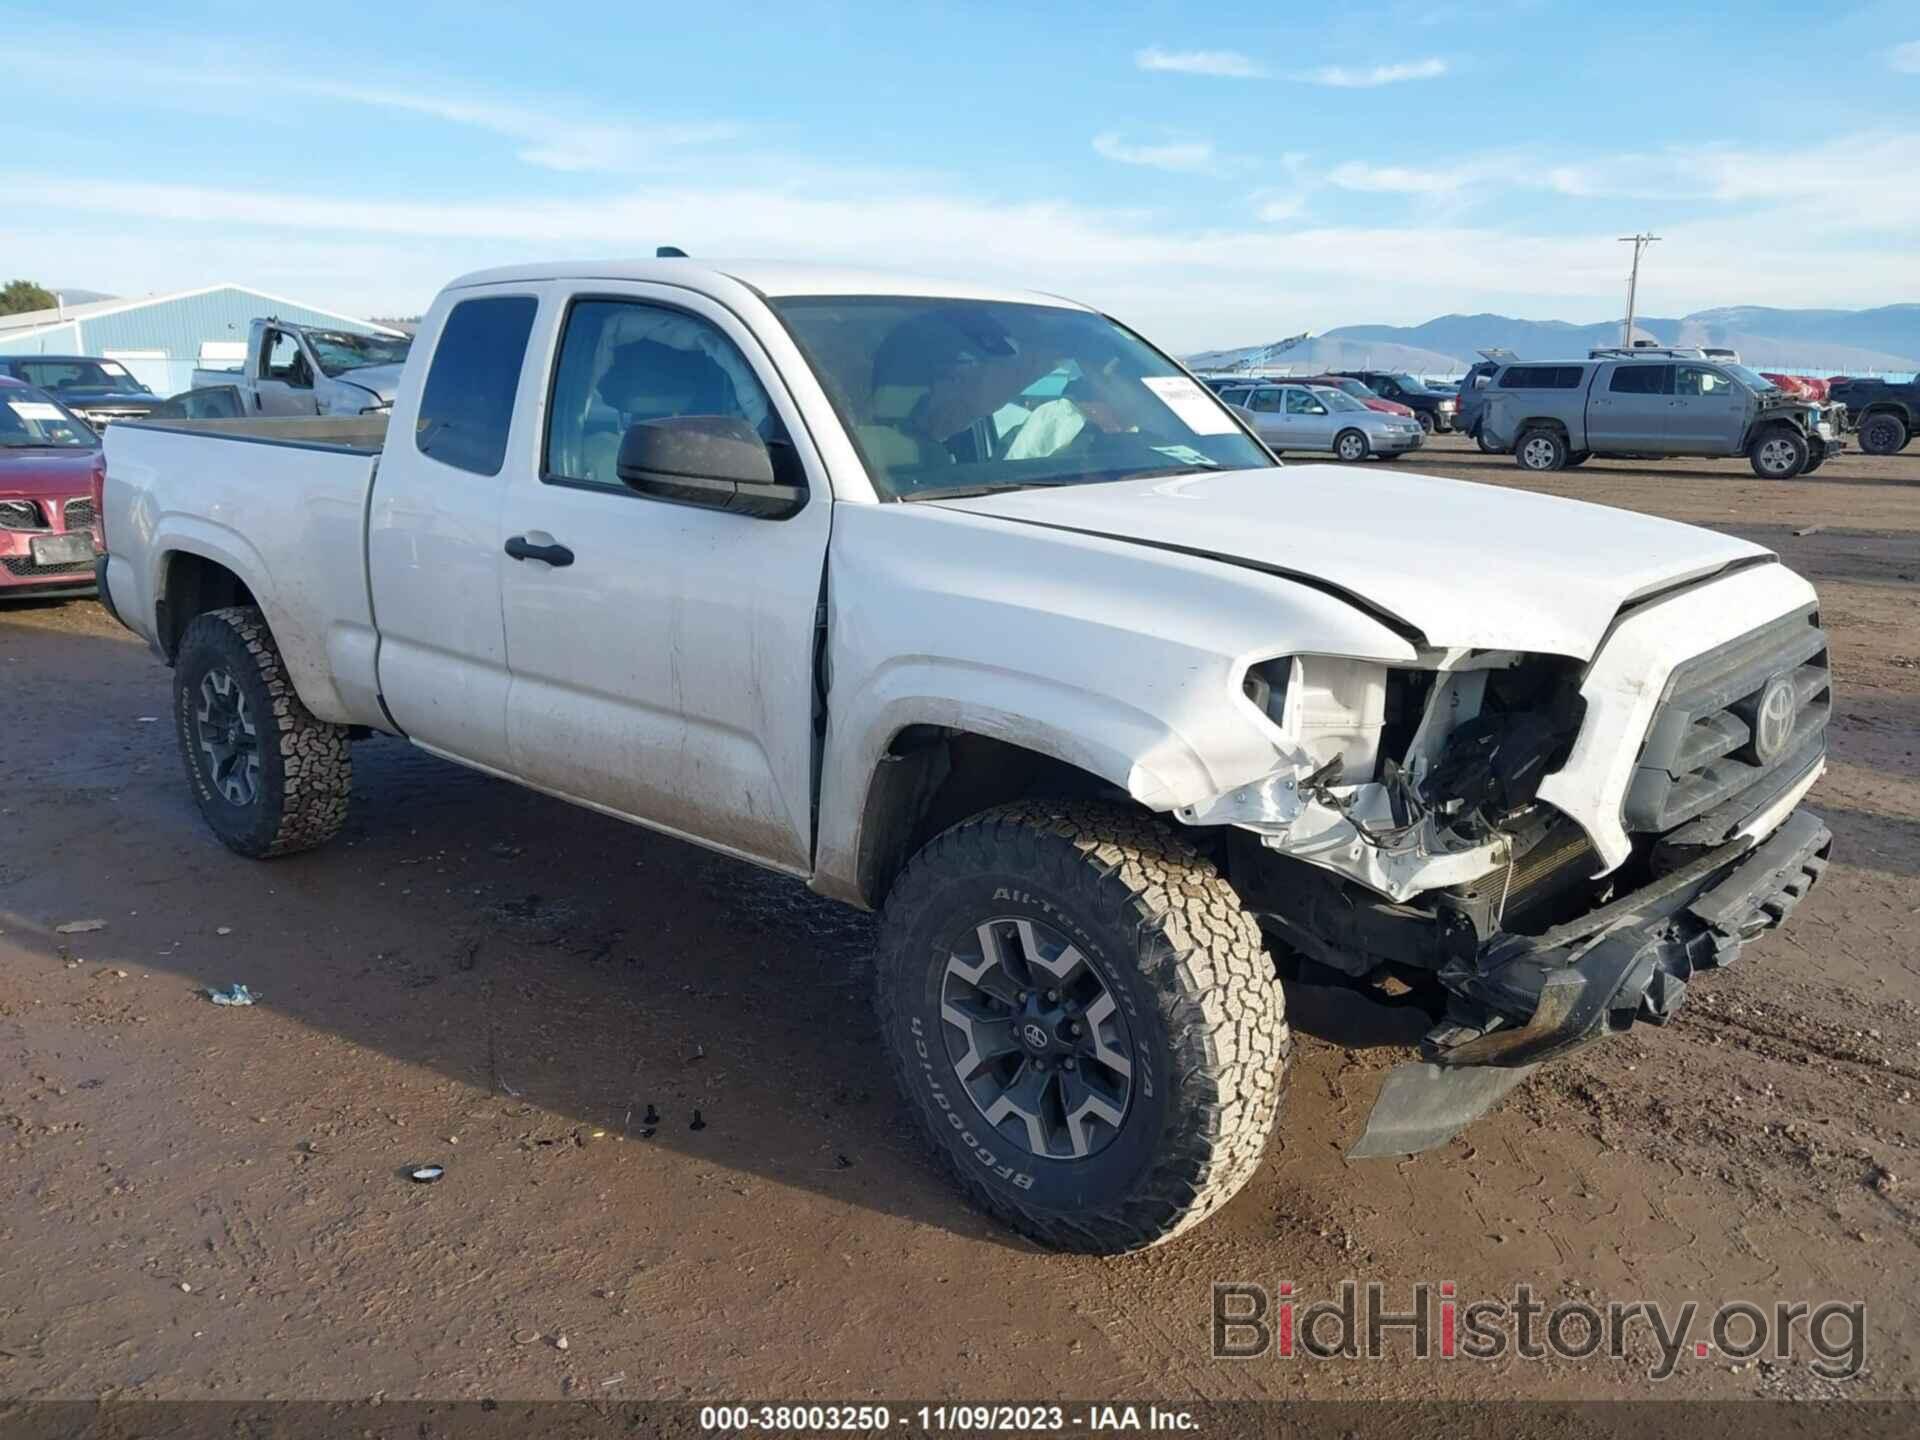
(45, 472)
(1389, 407)
(382, 380)
(1467, 565)
(76, 399)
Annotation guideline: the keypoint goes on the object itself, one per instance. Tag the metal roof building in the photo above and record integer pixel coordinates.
(161, 338)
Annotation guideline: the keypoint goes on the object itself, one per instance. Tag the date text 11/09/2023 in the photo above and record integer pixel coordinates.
(935, 1419)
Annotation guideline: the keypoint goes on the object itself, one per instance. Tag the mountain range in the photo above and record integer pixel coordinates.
(1824, 341)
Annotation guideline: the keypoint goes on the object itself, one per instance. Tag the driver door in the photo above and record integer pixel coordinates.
(1262, 407)
(1308, 419)
(663, 668)
(285, 386)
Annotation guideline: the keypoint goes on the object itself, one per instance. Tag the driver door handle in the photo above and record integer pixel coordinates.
(520, 548)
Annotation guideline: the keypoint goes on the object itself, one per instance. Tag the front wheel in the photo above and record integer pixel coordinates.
(1426, 421)
(1778, 454)
(1350, 445)
(270, 778)
(1883, 434)
(1084, 1020)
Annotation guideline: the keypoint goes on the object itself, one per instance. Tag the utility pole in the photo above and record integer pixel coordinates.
(1639, 243)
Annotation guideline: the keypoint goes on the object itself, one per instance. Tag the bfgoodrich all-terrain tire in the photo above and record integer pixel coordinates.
(269, 778)
(1084, 1021)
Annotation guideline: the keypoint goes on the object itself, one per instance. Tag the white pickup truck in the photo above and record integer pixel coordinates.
(311, 370)
(972, 606)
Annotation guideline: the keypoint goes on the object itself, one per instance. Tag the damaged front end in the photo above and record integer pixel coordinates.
(1405, 848)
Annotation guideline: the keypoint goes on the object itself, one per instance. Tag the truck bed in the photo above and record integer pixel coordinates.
(279, 502)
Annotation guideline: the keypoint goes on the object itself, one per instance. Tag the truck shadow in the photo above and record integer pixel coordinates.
(1640, 469)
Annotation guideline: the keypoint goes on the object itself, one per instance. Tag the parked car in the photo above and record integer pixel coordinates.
(98, 391)
(1434, 411)
(971, 606)
(49, 459)
(308, 370)
(1304, 417)
(1358, 391)
(1557, 414)
(1885, 413)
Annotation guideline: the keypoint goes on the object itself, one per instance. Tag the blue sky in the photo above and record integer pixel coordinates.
(1214, 174)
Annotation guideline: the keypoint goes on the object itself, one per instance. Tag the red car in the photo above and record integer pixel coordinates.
(1359, 391)
(50, 463)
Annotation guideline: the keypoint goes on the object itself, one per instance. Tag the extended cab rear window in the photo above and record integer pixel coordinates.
(466, 408)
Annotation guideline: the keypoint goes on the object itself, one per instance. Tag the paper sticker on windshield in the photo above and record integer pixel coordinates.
(35, 410)
(1185, 454)
(1200, 411)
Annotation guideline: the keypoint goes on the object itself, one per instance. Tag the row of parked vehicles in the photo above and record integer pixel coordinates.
(1641, 403)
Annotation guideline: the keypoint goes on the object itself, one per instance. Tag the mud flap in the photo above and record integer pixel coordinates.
(1421, 1106)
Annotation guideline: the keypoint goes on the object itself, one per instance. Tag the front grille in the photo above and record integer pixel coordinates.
(20, 515)
(23, 568)
(1702, 766)
(80, 514)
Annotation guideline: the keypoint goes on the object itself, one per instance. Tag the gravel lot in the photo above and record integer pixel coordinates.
(198, 1202)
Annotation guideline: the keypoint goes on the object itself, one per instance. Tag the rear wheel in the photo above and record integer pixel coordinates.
(1350, 445)
(1084, 1021)
(270, 779)
(1883, 433)
(1540, 451)
(1779, 453)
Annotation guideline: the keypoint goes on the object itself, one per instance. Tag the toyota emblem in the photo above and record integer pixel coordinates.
(1773, 719)
(1034, 1035)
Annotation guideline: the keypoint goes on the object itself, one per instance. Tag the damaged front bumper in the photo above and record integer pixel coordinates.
(1524, 999)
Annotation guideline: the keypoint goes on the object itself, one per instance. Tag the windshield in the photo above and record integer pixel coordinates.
(1752, 379)
(339, 351)
(61, 375)
(955, 396)
(1411, 383)
(32, 418)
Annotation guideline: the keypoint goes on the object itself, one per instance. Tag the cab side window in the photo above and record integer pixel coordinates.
(624, 362)
(1642, 380)
(1698, 380)
(466, 406)
(286, 362)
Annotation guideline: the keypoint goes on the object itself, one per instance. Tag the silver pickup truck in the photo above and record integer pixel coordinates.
(1554, 415)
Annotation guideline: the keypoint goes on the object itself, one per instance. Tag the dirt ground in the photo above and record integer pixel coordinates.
(653, 1079)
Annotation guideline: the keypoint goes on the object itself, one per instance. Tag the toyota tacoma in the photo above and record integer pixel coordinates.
(972, 607)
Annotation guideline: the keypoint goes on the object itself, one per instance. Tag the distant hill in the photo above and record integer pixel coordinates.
(1887, 338)
(81, 297)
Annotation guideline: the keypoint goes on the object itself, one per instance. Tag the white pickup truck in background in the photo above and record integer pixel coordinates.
(971, 605)
(310, 370)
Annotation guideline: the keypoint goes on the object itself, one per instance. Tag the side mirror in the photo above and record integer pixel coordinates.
(717, 462)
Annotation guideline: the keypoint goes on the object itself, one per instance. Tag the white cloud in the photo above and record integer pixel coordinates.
(1193, 157)
(1344, 77)
(1396, 179)
(1230, 64)
(1190, 287)
(1906, 58)
(551, 141)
